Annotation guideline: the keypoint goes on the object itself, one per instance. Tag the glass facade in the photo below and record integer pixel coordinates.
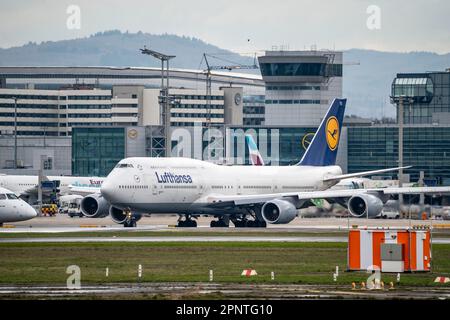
(426, 96)
(301, 69)
(254, 110)
(290, 101)
(425, 148)
(291, 142)
(95, 151)
(416, 88)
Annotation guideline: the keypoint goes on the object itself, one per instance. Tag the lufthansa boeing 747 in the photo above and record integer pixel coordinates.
(249, 196)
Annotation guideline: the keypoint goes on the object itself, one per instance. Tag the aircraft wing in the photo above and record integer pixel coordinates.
(243, 200)
(33, 190)
(30, 191)
(83, 191)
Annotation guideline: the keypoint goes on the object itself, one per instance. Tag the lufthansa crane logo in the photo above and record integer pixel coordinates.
(307, 139)
(332, 133)
(132, 134)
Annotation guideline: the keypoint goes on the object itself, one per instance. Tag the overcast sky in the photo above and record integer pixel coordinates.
(242, 25)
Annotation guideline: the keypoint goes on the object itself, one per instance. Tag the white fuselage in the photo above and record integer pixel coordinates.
(20, 184)
(183, 185)
(13, 209)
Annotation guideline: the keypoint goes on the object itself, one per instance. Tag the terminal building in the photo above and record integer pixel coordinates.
(50, 101)
(127, 121)
(191, 106)
(426, 104)
(46, 103)
(425, 96)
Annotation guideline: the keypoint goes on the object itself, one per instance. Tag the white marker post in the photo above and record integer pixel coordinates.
(140, 272)
(336, 274)
(272, 275)
(211, 275)
(398, 277)
(107, 272)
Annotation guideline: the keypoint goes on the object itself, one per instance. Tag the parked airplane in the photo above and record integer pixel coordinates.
(26, 187)
(13, 209)
(269, 194)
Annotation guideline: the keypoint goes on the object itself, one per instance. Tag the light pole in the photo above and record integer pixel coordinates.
(401, 100)
(15, 132)
(165, 114)
(400, 150)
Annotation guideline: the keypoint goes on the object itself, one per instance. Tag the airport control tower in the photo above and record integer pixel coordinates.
(300, 85)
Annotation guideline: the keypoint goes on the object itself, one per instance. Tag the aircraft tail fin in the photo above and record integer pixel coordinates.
(323, 148)
(255, 157)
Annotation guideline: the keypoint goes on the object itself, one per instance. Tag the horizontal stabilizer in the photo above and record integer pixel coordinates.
(362, 174)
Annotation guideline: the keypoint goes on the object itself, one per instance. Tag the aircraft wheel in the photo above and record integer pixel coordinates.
(262, 224)
(239, 223)
(187, 224)
(219, 224)
(130, 224)
(223, 224)
(192, 224)
(180, 224)
(251, 224)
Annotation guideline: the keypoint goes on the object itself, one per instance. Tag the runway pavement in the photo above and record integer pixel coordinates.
(177, 239)
(63, 223)
(188, 239)
(226, 291)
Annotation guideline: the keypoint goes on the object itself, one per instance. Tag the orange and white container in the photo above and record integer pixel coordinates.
(391, 250)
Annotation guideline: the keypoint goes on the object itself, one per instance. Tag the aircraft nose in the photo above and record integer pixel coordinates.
(28, 212)
(32, 213)
(107, 189)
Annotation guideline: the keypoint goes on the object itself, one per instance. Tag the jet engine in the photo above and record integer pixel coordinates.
(278, 211)
(119, 216)
(94, 206)
(365, 205)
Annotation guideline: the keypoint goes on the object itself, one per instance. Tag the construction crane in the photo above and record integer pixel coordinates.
(209, 68)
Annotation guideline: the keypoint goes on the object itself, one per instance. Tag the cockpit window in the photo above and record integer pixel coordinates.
(124, 165)
(11, 196)
(2, 196)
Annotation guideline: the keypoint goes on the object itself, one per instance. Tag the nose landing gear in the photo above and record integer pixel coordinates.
(130, 221)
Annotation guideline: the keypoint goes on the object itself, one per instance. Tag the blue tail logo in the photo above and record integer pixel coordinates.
(332, 128)
(324, 146)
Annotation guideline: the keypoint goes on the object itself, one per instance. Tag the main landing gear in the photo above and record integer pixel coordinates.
(130, 221)
(244, 223)
(241, 221)
(187, 222)
(222, 222)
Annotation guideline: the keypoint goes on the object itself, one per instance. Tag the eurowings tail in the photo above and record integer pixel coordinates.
(255, 156)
